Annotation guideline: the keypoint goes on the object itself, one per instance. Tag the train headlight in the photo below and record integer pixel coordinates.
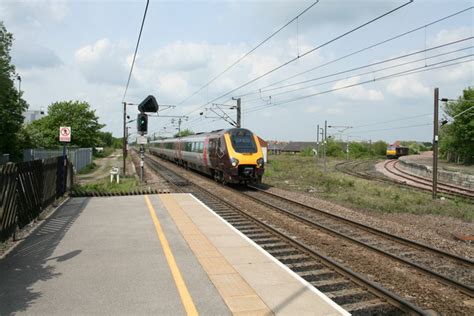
(234, 162)
(260, 162)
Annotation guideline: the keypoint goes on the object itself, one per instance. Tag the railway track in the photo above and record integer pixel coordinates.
(392, 167)
(448, 268)
(351, 168)
(352, 291)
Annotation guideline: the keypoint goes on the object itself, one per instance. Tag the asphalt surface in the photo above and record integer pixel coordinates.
(102, 256)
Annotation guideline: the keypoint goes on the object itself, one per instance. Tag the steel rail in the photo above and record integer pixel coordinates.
(372, 287)
(426, 183)
(469, 290)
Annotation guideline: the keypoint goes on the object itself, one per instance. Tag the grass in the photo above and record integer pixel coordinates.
(88, 169)
(104, 185)
(297, 173)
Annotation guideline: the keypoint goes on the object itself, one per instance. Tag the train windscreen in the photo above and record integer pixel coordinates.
(243, 142)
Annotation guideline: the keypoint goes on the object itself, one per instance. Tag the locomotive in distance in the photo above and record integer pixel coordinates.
(229, 156)
(395, 151)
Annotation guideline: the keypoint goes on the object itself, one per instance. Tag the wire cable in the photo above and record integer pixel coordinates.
(394, 75)
(312, 50)
(136, 50)
(367, 48)
(249, 52)
(304, 54)
(360, 74)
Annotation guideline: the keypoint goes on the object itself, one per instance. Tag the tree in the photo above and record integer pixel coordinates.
(183, 133)
(11, 104)
(85, 128)
(457, 138)
(379, 148)
(106, 139)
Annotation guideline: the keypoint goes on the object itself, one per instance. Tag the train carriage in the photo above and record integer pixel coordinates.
(230, 156)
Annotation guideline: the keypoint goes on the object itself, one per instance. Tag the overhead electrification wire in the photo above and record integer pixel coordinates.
(391, 121)
(394, 75)
(136, 50)
(249, 52)
(304, 54)
(312, 50)
(391, 128)
(367, 48)
(359, 74)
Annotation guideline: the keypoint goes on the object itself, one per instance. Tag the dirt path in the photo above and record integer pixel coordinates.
(103, 169)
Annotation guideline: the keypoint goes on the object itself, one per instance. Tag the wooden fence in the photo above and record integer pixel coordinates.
(26, 188)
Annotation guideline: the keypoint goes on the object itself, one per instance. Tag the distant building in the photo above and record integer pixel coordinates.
(32, 115)
(275, 146)
(296, 147)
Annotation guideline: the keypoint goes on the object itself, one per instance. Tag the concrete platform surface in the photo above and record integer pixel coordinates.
(159, 254)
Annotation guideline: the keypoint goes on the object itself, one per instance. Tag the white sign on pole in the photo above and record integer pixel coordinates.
(142, 140)
(65, 134)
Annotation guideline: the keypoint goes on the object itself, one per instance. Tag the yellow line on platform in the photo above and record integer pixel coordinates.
(178, 279)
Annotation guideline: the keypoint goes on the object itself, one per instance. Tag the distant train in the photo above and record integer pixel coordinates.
(395, 151)
(229, 156)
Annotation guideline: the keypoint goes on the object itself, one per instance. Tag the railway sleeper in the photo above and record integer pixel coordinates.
(332, 285)
(305, 266)
(371, 307)
(281, 245)
(348, 296)
(287, 260)
(284, 252)
(320, 275)
(270, 240)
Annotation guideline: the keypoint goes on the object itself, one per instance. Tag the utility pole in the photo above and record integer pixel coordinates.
(239, 125)
(325, 144)
(435, 142)
(124, 144)
(317, 143)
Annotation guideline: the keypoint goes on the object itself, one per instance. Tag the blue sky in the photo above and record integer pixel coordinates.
(82, 50)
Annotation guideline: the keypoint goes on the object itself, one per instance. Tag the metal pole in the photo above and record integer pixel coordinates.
(435, 143)
(142, 151)
(325, 143)
(124, 144)
(64, 167)
(239, 125)
(317, 143)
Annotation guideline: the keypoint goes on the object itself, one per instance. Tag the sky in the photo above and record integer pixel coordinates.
(83, 50)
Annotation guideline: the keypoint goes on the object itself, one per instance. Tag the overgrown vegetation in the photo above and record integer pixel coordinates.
(457, 135)
(11, 103)
(299, 173)
(104, 185)
(88, 169)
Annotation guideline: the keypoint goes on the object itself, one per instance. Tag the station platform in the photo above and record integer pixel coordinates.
(162, 254)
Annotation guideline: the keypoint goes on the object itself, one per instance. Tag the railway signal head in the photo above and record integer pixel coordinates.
(142, 123)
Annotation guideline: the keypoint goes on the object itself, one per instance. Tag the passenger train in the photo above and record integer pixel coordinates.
(229, 156)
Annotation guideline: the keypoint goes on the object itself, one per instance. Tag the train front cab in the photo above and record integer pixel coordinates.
(241, 159)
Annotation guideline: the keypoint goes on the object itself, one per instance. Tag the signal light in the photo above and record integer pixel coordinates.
(142, 123)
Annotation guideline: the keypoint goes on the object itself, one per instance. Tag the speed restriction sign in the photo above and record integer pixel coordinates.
(65, 134)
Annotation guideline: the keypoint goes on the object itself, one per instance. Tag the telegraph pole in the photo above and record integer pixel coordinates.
(124, 144)
(325, 143)
(239, 125)
(435, 142)
(317, 143)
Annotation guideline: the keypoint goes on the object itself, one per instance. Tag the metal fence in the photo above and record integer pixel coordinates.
(26, 188)
(4, 158)
(79, 158)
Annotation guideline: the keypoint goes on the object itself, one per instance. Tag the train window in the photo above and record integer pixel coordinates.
(243, 141)
(201, 147)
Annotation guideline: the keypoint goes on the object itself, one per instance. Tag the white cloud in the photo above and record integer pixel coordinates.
(173, 84)
(313, 109)
(407, 87)
(446, 36)
(28, 54)
(103, 62)
(356, 93)
(32, 13)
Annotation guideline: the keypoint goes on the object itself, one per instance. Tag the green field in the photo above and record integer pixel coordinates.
(305, 174)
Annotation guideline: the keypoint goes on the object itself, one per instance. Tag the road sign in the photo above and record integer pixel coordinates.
(65, 134)
(142, 140)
